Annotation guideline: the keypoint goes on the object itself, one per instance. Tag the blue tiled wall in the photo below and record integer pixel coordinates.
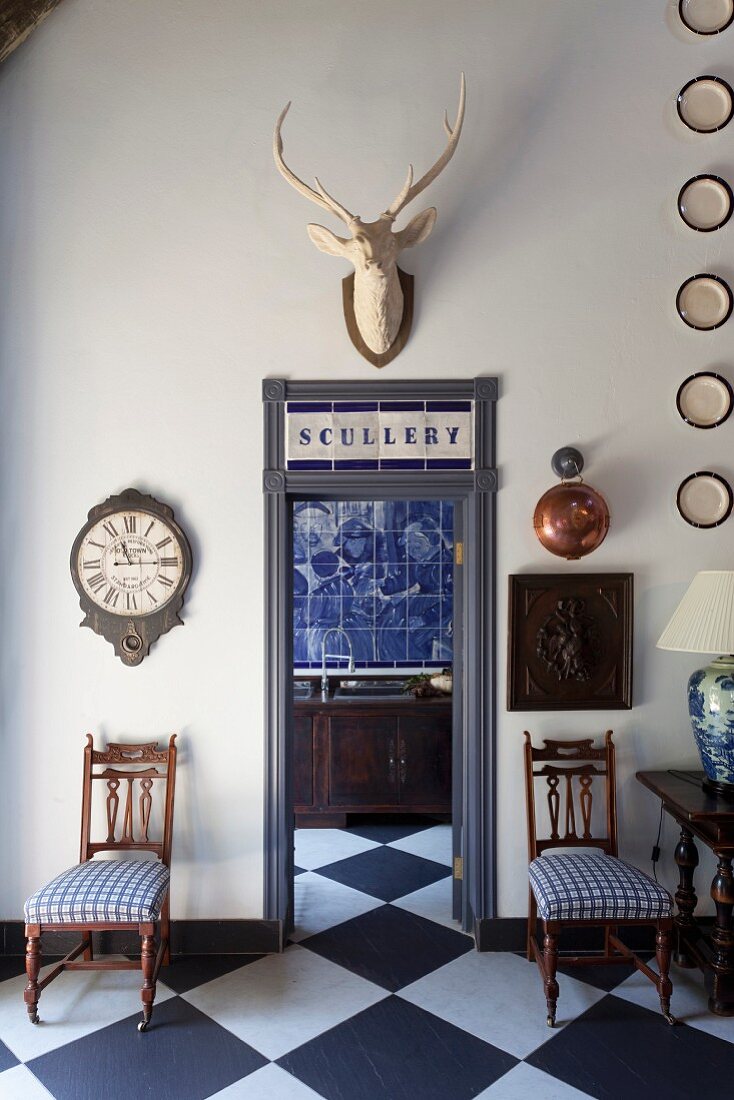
(381, 570)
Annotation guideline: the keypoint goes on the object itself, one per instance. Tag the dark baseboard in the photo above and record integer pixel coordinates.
(188, 937)
(508, 934)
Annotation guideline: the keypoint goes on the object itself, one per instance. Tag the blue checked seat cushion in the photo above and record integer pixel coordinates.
(595, 887)
(102, 890)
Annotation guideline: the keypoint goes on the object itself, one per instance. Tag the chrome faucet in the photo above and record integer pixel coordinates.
(324, 655)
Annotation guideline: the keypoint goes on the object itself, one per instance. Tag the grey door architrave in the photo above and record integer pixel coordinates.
(474, 491)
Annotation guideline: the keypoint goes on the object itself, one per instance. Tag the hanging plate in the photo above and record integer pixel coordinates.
(704, 499)
(705, 202)
(705, 104)
(705, 400)
(704, 301)
(706, 16)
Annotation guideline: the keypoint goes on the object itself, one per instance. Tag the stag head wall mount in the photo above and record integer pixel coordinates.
(378, 296)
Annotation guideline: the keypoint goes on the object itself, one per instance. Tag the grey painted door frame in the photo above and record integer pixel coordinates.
(475, 491)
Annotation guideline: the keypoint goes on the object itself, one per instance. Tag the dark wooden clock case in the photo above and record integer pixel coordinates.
(132, 636)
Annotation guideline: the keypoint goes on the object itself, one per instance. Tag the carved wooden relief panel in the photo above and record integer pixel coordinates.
(570, 642)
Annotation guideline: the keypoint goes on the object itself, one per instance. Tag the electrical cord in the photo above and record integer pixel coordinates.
(656, 847)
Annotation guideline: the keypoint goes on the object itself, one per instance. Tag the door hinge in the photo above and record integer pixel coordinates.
(459, 553)
(458, 867)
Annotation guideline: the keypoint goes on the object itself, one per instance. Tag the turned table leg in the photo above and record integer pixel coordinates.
(721, 974)
(686, 856)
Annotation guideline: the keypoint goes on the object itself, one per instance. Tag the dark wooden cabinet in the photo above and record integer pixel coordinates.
(371, 759)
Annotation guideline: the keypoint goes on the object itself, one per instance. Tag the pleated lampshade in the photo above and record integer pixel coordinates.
(703, 621)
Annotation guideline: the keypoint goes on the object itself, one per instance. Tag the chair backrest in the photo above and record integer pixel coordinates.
(129, 830)
(568, 766)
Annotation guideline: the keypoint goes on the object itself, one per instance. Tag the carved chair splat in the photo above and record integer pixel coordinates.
(582, 890)
(131, 895)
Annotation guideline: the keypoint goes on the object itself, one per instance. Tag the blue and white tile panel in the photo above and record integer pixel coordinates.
(380, 570)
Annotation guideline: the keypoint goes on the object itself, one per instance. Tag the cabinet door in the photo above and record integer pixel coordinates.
(362, 760)
(303, 760)
(424, 761)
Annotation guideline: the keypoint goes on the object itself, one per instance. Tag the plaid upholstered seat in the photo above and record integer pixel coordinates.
(101, 890)
(595, 887)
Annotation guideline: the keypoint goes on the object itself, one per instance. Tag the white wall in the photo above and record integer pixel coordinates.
(156, 267)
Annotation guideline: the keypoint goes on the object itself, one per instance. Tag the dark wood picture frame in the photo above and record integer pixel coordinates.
(570, 641)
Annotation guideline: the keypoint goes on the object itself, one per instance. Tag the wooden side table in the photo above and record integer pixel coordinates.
(710, 818)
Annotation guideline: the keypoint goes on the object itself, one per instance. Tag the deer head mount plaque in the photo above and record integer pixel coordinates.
(378, 296)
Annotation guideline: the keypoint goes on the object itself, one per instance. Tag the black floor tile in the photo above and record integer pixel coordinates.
(298, 871)
(189, 971)
(389, 946)
(184, 1054)
(396, 1051)
(7, 1058)
(601, 977)
(13, 965)
(618, 1049)
(385, 828)
(385, 873)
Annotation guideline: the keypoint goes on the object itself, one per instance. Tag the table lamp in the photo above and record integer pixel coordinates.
(703, 622)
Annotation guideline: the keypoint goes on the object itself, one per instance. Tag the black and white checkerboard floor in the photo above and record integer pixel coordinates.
(379, 997)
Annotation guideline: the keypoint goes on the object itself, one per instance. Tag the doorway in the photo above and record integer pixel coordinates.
(469, 482)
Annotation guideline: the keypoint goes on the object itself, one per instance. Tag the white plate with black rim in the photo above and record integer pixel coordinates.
(704, 499)
(705, 202)
(705, 104)
(704, 301)
(706, 16)
(704, 400)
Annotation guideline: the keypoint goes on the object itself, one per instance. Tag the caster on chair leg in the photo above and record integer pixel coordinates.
(143, 1025)
(33, 1017)
(551, 1021)
(669, 1019)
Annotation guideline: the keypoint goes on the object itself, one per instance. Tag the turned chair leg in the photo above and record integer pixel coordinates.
(147, 961)
(32, 967)
(550, 965)
(532, 922)
(663, 947)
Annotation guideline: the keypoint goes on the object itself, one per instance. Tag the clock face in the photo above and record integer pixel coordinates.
(130, 563)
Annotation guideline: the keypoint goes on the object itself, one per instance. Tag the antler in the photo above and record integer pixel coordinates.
(410, 190)
(321, 196)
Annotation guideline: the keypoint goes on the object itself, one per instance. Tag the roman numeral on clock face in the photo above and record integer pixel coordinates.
(110, 529)
(131, 525)
(111, 596)
(165, 582)
(164, 542)
(151, 596)
(166, 562)
(149, 528)
(130, 604)
(92, 563)
(96, 582)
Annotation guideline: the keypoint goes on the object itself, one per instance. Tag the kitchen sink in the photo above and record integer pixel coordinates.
(371, 689)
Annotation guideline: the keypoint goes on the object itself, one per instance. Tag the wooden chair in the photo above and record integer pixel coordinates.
(109, 895)
(580, 889)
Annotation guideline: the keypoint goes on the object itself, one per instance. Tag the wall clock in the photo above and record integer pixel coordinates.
(131, 565)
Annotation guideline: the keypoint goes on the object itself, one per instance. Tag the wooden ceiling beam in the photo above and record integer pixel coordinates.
(18, 18)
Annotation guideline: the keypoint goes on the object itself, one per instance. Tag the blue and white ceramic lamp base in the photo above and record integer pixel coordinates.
(711, 707)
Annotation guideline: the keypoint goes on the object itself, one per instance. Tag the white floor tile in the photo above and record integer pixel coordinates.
(269, 1083)
(74, 1005)
(499, 997)
(321, 903)
(317, 847)
(689, 1002)
(433, 843)
(525, 1082)
(282, 1001)
(19, 1083)
(432, 902)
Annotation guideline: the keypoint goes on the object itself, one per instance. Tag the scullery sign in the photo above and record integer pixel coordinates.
(379, 435)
